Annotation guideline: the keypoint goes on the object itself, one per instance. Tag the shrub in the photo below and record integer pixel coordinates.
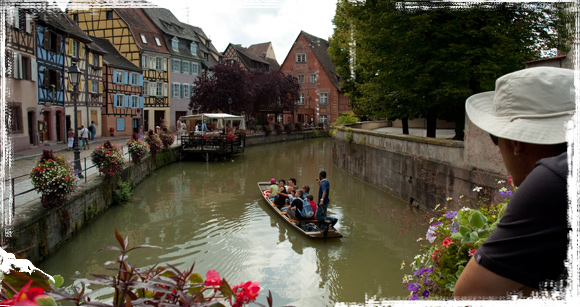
(109, 159)
(53, 178)
(154, 142)
(299, 126)
(267, 129)
(450, 242)
(345, 118)
(137, 148)
(349, 136)
(278, 128)
(289, 128)
(123, 192)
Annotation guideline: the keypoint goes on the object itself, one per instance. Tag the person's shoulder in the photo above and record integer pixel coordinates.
(557, 164)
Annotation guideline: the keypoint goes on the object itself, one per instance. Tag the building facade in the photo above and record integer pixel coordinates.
(20, 71)
(321, 100)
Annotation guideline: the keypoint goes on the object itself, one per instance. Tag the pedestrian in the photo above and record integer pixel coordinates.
(85, 137)
(178, 126)
(70, 139)
(141, 132)
(93, 130)
(323, 199)
(526, 117)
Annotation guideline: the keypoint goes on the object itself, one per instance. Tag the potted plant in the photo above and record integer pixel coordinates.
(109, 159)
(137, 148)
(53, 178)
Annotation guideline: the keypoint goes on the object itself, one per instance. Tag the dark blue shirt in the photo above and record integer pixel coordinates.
(324, 186)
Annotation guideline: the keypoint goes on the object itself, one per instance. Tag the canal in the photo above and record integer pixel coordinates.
(212, 214)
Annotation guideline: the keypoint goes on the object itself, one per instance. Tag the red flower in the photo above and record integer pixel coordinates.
(434, 254)
(511, 181)
(25, 297)
(212, 279)
(472, 252)
(447, 242)
(246, 292)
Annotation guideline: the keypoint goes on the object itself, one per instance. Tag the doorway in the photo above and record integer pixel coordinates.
(32, 139)
(159, 117)
(146, 121)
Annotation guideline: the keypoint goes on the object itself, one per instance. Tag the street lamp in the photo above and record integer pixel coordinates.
(230, 104)
(74, 75)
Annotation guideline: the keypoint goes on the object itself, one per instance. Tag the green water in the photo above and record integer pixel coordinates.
(212, 214)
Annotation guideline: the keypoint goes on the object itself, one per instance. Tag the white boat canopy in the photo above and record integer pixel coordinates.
(221, 118)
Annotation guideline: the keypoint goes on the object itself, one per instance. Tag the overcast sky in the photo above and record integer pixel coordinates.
(249, 22)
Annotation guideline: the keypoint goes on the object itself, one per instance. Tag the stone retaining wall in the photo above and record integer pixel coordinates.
(423, 171)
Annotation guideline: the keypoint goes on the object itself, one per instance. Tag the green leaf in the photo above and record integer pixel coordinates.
(459, 270)
(464, 230)
(473, 236)
(477, 220)
(457, 236)
(451, 278)
(58, 281)
(45, 300)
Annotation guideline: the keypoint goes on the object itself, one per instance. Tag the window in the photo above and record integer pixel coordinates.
(15, 110)
(134, 79)
(312, 78)
(121, 124)
(185, 90)
(118, 78)
(94, 87)
(195, 68)
(143, 39)
(301, 99)
(193, 48)
(175, 43)
(75, 49)
(300, 57)
(323, 98)
(175, 88)
(95, 60)
(110, 15)
(144, 61)
(119, 100)
(76, 17)
(134, 102)
(280, 118)
(185, 67)
(300, 78)
(175, 64)
(21, 66)
(323, 120)
(145, 88)
(157, 41)
(161, 64)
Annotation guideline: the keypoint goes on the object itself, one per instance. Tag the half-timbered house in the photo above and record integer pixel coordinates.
(185, 60)
(321, 100)
(20, 70)
(53, 30)
(247, 59)
(137, 39)
(122, 98)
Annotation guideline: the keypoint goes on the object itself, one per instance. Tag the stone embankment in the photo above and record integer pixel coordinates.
(423, 171)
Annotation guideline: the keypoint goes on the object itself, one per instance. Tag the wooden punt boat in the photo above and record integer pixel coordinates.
(313, 229)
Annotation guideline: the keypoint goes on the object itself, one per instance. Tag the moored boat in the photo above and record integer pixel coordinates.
(310, 228)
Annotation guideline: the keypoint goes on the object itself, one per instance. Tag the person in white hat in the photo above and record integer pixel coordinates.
(527, 119)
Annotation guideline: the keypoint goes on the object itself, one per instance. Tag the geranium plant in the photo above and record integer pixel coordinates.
(450, 242)
(231, 136)
(154, 142)
(109, 159)
(137, 148)
(53, 178)
(167, 138)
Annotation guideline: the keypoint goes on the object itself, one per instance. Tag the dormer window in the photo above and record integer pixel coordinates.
(109, 14)
(168, 25)
(193, 48)
(143, 39)
(180, 30)
(157, 41)
(175, 43)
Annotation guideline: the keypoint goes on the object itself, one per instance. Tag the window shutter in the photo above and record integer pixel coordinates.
(164, 89)
(33, 68)
(16, 18)
(181, 66)
(141, 102)
(127, 101)
(140, 80)
(100, 87)
(173, 65)
(126, 77)
(114, 76)
(100, 61)
(46, 41)
(45, 76)
(151, 62)
(58, 44)
(28, 23)
(163, 64)
(81, 50)
(15, 65)
(90, 59)
(90, 86)
(58, 81)
(115, 97)
(181, 88)
(70, 47)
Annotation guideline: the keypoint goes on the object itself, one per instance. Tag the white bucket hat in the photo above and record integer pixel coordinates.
(530, 105)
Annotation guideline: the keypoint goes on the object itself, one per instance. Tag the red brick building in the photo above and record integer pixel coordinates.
(321, 100)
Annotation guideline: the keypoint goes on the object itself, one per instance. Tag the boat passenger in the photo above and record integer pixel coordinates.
(281, 195)
(292, 184)
(310, 199)
(306, 190)
(273, 187)
(296, 206)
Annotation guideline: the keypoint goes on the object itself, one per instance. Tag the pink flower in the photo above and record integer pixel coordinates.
(27, 296)
(246, 292)
(511, 181)
(434, 254)
(472, 252)
(447, 242)
(66, 178)
(212, 279)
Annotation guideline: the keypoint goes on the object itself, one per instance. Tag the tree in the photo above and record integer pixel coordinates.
(423, 59)
(211, 92)
(274, 92)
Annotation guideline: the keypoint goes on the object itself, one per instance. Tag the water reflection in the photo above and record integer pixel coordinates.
(212, 214)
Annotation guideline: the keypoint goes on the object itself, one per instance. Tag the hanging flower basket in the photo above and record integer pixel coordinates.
(53, 178)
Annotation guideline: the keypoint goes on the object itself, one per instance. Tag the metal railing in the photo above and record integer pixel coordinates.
(25, 179)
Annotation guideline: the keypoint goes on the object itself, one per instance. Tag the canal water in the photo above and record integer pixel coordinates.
(212, 214)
